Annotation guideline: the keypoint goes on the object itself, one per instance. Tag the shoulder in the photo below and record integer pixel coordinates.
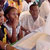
(24, 14)
(3, 26)
(41, 18)
(9, 28)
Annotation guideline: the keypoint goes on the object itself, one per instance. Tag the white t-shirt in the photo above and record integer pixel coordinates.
(26, 6)
(28, 23)
(10, 29)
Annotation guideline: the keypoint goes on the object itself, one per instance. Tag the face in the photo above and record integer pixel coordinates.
(2, 3)
(34, 11)
(13, 14)
(1, 17)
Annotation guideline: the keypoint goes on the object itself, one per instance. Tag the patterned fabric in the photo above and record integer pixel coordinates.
(15, 4)
(2, 33)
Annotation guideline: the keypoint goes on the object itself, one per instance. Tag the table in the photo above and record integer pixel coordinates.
(28, 42)
(43, 43)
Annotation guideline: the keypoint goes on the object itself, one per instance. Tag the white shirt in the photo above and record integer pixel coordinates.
(10, 29)
(45, 9)
(25, 6)
(28, 23)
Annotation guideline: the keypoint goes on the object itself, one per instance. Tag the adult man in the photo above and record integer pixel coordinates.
(30, 20)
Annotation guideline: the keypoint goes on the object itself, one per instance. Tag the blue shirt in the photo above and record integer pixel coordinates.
(5, 6)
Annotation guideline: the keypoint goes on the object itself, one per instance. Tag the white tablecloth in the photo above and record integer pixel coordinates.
(43, 43)
(28, 42)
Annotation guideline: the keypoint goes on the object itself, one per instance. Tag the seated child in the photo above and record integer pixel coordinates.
(5, 37)
(12, 23)
(4, 34)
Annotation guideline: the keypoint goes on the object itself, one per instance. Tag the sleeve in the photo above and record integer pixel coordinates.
(23, 20)
(31, 25)
(42, 22)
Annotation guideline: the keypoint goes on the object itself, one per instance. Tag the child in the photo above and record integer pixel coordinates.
(4, 34)
(12, 23)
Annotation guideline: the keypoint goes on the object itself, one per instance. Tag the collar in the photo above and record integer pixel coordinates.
(5, 2)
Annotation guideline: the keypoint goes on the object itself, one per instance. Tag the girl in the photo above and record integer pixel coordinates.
(12, 23)
(5, 37)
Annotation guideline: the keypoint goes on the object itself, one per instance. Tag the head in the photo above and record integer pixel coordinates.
(28, 1)
(1, 16)
(34, 10)
(2, 3)
(11, 13)
(49, 0)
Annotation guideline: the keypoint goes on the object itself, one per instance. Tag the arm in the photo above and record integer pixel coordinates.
(20, 35)
(14, 25)
(8, 47)
(25, 30)
(12, 37)
(14, 33)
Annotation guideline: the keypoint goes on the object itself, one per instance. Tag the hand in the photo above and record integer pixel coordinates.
(15, 22)
(28, 32)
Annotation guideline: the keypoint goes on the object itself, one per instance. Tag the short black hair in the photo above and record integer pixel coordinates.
(2, 1)
(34, 4)
(8, 10)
